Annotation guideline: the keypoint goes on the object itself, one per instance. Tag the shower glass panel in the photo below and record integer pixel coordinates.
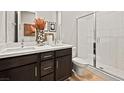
(110, 42)
(85, 38)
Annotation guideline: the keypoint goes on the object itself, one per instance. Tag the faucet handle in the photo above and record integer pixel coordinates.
(22, 43)
(22, 40)
(55, 40)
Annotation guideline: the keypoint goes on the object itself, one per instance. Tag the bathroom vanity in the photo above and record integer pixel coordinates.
(40, 64)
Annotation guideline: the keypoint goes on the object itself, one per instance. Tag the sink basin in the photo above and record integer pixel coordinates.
(8, 50)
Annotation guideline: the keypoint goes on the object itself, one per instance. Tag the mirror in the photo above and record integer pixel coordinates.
(25, 22)
(16, 26)
(7, 26)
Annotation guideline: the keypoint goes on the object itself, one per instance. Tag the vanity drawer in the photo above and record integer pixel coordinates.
(49, 77)
(47, 55)
(47, 67)
(63, 52)
(17, 61)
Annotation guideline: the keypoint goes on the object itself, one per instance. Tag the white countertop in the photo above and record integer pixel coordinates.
(37, 49)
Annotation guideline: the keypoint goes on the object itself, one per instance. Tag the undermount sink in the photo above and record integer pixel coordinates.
(8, 50)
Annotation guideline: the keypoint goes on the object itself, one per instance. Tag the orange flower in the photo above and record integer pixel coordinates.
(40, 24)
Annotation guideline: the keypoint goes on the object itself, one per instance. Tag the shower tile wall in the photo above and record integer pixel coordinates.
(110, 32)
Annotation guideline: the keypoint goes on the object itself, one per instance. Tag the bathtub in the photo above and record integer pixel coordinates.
(81, 66)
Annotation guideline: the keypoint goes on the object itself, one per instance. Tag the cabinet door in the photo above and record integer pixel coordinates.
(49, 77)
(63, 67)
(24, 73)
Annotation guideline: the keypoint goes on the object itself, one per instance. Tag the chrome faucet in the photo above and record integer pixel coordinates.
(22, 43)
(55, 40)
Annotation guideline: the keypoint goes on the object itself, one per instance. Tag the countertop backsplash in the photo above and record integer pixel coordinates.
(2, 46)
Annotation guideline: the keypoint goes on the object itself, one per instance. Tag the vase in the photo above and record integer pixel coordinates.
(40, 37)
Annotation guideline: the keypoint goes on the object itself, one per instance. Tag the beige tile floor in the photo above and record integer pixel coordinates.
(88, 76)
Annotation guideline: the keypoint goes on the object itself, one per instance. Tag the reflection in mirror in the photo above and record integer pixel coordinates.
(11, 26)
(26, 21)
(7, 26)
(16, 26)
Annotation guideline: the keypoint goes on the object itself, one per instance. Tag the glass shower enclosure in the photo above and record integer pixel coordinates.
(100, 41)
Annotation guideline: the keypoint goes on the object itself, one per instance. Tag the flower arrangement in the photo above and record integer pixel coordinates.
(40, 35)
(40, 24)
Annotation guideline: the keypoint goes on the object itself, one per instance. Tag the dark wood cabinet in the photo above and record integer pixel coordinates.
(21, 68)
(47, 66)
(48, 77)
(23, 73)
(63, 67)
(63, 64)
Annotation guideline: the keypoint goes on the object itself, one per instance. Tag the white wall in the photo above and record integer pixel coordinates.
(69, 25)
(50, 16)
(10, 26)
(47, 15)
(2, 27)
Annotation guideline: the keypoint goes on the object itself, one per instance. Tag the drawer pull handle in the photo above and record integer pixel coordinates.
(57, 65)
(47, 68)
(35, 71)
(47, 56)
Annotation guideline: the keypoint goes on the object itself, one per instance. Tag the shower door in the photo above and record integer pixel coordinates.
(85, 40)
(110, 42)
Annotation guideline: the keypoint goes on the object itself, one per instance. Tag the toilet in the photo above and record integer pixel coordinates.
(79, 64)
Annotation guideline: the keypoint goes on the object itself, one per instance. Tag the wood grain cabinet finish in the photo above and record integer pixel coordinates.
(47, 55)
(47, 66)
(49, 77)
(63, 61)
(24, 73)
(63, 52)
(8, 63)
(21, 68)
(63, 67)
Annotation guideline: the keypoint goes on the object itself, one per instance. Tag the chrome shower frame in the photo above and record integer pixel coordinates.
(94, 35)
